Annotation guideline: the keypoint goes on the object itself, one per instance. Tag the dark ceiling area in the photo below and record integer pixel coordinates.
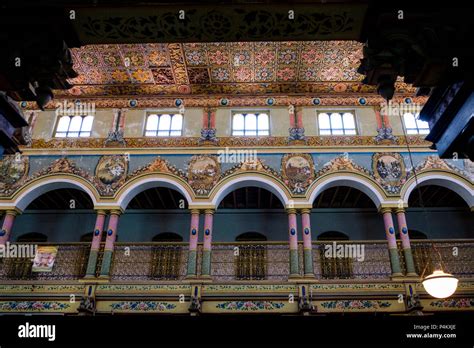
(343, 197)
(158, 198)
(62, 199)
(250, 198)
(435, 197)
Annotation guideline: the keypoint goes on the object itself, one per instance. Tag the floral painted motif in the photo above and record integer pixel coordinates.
(143, 306)
(454, 303)
(250, 306)
(342, 163)
(32, 306)
(355, 304)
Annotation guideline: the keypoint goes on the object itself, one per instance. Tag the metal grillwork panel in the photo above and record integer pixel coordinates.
(251, 262)
(70, 263)
(166, 262)
(457, 257)
(375, 264)
(149, 261)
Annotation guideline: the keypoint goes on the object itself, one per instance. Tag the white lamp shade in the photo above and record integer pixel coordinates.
(440, 284)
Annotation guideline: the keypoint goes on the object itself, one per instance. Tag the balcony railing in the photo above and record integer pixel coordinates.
(149, 261)
(457, 256)
(374, 265)
(70, 264)
(245, 261)
(250, 261)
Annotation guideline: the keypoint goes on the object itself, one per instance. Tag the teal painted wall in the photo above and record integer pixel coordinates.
(141, 225)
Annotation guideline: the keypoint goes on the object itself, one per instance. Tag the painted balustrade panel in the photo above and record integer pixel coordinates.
(351, 260)
(151, 261)
(70, 262)
(252, 261)
(457, 257)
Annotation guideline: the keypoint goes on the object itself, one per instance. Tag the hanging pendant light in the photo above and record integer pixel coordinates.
(440, 284)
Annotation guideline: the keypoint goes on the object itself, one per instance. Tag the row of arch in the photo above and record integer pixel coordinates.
(460, 185)
(243, 237)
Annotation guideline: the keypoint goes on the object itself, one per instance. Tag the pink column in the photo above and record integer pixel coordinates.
(99, 227)
(306, 224)
(293, 241)
(7, 226)
(206, 253)
(404, 236)
(402, 226)
(307, 243)
(110, 243)
(392, 242)
(193, 242)
(112, 230)
(389, 229)
(194, 230)
(208, 221)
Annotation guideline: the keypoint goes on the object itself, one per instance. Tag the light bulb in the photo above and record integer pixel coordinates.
(440, 284)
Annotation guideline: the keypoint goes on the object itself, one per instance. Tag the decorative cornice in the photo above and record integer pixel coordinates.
(204, 101)
(187, 142)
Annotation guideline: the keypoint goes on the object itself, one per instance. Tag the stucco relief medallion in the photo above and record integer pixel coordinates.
(389, 170)
(13, 169)
(111, 171)
(297, 171)
(203, 173)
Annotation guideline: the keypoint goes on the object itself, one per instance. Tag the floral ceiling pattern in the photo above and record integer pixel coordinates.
(158, 69)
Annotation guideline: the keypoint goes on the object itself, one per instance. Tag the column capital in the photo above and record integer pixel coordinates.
(399, 210)
(12, 211)
(291, 210)
(117, 212)
(194, 211)
(305, 211)
(100, 211)
(384, 210)
(209, 211)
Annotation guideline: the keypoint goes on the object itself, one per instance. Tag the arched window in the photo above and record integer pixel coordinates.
(32, 237)
(251, 259)
(74, 126)
(164, 125)
(414, 125)
(250, 124)
(336, 123)
(333, 236)
(166, 256)
(167, 237)
(250, 237)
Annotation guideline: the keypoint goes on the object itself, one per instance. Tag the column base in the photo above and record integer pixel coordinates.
(309, 275)
(396, 276)
(412, 275)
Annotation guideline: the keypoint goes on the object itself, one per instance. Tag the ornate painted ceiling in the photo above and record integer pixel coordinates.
(229, 68)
